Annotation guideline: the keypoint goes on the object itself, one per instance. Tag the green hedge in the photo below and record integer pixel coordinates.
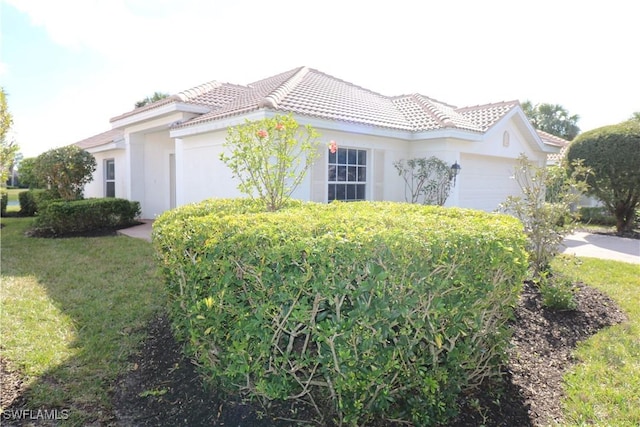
(57, 218)
(31, 199)
(362, 310)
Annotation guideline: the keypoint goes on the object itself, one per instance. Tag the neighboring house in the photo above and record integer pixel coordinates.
(166, 154)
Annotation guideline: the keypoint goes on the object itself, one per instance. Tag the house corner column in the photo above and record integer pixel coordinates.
(179, 159)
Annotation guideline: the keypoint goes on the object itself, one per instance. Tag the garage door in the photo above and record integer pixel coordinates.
(485, 181)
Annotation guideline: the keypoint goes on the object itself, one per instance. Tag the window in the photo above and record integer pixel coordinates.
(347, 174)
(110, 178)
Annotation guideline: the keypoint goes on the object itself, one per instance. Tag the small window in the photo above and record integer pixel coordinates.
(110, 178)
(347, 174)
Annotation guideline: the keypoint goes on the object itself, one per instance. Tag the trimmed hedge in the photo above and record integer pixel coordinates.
(58, 217)
(30, 201)
(361, 310)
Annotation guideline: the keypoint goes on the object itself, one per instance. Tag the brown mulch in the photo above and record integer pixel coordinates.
(163, 389)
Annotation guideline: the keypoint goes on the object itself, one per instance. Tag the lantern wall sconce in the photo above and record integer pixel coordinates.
(455, 170)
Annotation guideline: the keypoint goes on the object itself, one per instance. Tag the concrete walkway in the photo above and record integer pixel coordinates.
(585, 244)
(142, 231)
(580, 244)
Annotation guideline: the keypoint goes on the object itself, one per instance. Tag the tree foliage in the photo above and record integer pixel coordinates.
(27, 174)
(157, 96)
(270, 157)
(613, 153)
(8, 149)
(544, 208)
(427, 180)
(65, 170)
(553, 119)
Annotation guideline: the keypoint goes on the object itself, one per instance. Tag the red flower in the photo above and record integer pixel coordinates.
(262, 133)
(279, 126)
(333, 147)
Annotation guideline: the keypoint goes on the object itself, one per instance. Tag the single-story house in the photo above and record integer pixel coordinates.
(166, 154)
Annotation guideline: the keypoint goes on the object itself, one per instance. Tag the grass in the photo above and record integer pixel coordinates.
(604, 388)
(71, 313)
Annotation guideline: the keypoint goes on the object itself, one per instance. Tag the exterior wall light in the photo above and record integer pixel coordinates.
(455, 170)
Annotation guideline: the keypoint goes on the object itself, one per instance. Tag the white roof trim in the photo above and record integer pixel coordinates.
(159, 111)
(327, 124)
(113, 145)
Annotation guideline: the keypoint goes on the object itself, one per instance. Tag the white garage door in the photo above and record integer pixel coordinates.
(485, 181)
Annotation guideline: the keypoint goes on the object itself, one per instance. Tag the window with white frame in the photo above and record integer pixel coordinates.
(110, 178)
(347, 174)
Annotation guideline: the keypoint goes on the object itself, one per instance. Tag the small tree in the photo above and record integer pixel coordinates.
(545, 207)
(613, 153)
(427, 181)
(157, 96)
(65, 170)
(270, 157)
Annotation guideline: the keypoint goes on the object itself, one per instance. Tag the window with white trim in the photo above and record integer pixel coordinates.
(347, 177)
(110, 178)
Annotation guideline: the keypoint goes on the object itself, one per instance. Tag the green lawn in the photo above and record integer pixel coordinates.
(72, 312)
(604, 388)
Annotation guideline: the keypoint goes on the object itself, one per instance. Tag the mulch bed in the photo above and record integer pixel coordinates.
(163, 389)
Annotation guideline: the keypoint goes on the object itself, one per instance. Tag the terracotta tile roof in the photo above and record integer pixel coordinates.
(312, 93)
(487, 115)
(309, 92)
(103, 138)
(550, 139)
(212, 94)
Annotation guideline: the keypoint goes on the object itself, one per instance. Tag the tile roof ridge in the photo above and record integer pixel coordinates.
(196, 91)
(490, 104)
(427, 105)
(273, 99)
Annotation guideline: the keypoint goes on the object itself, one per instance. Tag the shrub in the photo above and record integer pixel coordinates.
(613, 153)
(545, 207)
(558, 292)
(596, 215)
(32, 199)
(60, 217)
(362, 310)
(270, 157)
(65, 170)
(427, 180)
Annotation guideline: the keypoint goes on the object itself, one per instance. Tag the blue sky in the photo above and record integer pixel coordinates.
(68, 66)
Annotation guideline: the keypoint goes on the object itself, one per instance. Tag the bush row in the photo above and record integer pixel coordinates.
(597, 215)
(362, 310)
(31, 199)
(60, 217)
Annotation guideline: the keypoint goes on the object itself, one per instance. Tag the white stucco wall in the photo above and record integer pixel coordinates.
(97, 188)
(158, 148)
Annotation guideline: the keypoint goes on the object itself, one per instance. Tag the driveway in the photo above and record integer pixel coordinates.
(585, 244)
